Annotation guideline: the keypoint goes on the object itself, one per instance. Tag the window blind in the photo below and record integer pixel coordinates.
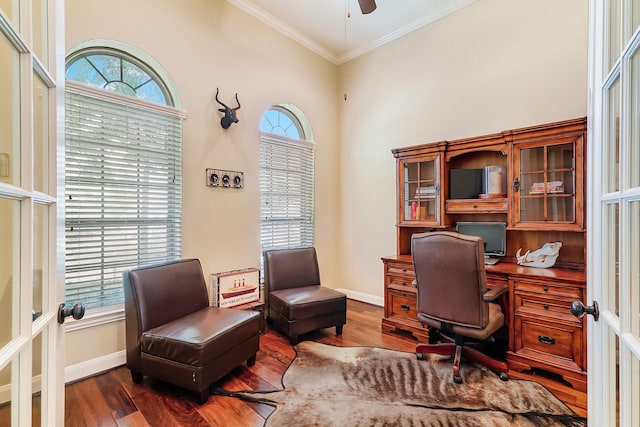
(123, 191)
(286, 192)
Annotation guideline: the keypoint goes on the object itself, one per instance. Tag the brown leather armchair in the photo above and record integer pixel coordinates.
(173, 335)
(296, 302)
(453, 298)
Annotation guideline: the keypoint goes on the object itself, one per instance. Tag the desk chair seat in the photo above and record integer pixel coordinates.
(453, 298)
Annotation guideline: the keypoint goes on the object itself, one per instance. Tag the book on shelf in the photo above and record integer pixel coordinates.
(551, 187)
(425, 192)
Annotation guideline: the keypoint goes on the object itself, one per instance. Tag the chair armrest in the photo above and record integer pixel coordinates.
(494, 292)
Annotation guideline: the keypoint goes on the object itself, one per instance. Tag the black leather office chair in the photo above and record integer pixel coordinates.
(453, 298)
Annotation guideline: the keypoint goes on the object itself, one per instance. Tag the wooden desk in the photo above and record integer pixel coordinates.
(545, 341)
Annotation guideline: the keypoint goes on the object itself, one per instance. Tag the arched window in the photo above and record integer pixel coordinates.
(115, 71)
(286, 180)
(123, 170)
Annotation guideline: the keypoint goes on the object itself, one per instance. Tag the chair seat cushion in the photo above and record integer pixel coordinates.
(307, 302)
(200, 337)
(496, 321)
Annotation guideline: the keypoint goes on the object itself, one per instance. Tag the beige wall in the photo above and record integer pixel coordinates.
(204, 44)
(493, 65)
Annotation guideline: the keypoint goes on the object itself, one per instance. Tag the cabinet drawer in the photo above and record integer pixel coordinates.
(403, 305)
(558, 309)
(400, 269)
(400, 281)
(569, 293)
(476, 206)
(550, 340)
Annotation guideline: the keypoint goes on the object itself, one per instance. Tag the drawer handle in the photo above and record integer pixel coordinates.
(546, 306)
(404, 269)
(546, 289)
(405, 307)
(546, 340)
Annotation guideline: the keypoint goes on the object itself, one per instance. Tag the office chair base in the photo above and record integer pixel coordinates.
(459, 352)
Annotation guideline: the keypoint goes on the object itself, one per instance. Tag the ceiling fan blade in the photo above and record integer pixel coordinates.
(367, 6)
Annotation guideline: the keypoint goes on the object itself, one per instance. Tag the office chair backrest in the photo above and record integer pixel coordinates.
(451, 277)
(290, 268)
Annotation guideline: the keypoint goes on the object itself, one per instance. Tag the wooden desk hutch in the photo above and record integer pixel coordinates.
(546, 343)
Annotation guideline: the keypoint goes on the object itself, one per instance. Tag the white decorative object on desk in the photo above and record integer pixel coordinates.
(543, 257)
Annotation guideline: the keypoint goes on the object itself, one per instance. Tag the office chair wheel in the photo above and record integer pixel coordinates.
(420, 356)
(457, 379)
(503, 376)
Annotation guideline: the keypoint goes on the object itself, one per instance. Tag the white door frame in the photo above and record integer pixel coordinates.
(614, 341)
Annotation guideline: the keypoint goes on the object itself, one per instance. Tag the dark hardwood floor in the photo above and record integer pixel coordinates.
(112, 399)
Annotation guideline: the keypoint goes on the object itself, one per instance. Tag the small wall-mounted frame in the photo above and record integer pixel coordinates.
(4, 165)
(224, 178)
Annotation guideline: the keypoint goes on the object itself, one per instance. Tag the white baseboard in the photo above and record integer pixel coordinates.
(94, 366)
(362, 297)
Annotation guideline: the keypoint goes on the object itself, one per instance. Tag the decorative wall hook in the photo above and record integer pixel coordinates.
(230, 116)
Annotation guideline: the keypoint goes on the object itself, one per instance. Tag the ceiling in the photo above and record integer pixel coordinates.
(323, 26)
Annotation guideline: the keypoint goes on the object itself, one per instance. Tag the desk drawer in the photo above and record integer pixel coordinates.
(549, 341)
(403, 304)
(555, 309)
(568, 293)
(400, 269)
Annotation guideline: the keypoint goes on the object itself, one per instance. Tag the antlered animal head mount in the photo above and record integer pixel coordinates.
(230, 116)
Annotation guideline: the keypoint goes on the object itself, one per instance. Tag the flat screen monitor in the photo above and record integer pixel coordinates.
(494, 235)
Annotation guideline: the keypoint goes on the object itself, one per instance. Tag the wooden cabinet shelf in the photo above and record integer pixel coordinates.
(543, 200)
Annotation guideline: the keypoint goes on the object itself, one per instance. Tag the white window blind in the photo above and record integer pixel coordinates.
(286, 192)
(123, 172)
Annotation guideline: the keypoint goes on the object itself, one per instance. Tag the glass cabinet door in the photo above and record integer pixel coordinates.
(545, 184)
(421, 191)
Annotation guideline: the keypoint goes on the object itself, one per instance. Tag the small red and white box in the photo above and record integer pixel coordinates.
(236, 287)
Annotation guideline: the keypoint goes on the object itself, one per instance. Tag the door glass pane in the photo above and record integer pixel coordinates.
(634, 148)
(635, 15)
(612, 140)
(420, 191)
(11, 8)
(613, 34)
(36, 394)
(618, 381)
(10, 113)
(611, 226)
(9, 280)
(635, 386)
(40, 135)
(634, 258)
(5, 402)
(40, 30)
(40, 254)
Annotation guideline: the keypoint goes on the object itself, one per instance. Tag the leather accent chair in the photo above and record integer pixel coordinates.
(173, 335)
(296, 301)
(453, 298)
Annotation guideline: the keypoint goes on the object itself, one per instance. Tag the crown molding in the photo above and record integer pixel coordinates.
(287, 30)
(258, 13)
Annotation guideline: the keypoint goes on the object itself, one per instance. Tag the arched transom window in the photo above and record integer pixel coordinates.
(113, 71)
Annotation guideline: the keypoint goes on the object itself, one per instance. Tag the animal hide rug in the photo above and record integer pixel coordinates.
(367, 386)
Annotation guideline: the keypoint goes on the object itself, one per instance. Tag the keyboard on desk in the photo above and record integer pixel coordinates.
(491, 261)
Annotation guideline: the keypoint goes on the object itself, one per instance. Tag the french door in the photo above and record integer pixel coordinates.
(613, 237)
(31, 340)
